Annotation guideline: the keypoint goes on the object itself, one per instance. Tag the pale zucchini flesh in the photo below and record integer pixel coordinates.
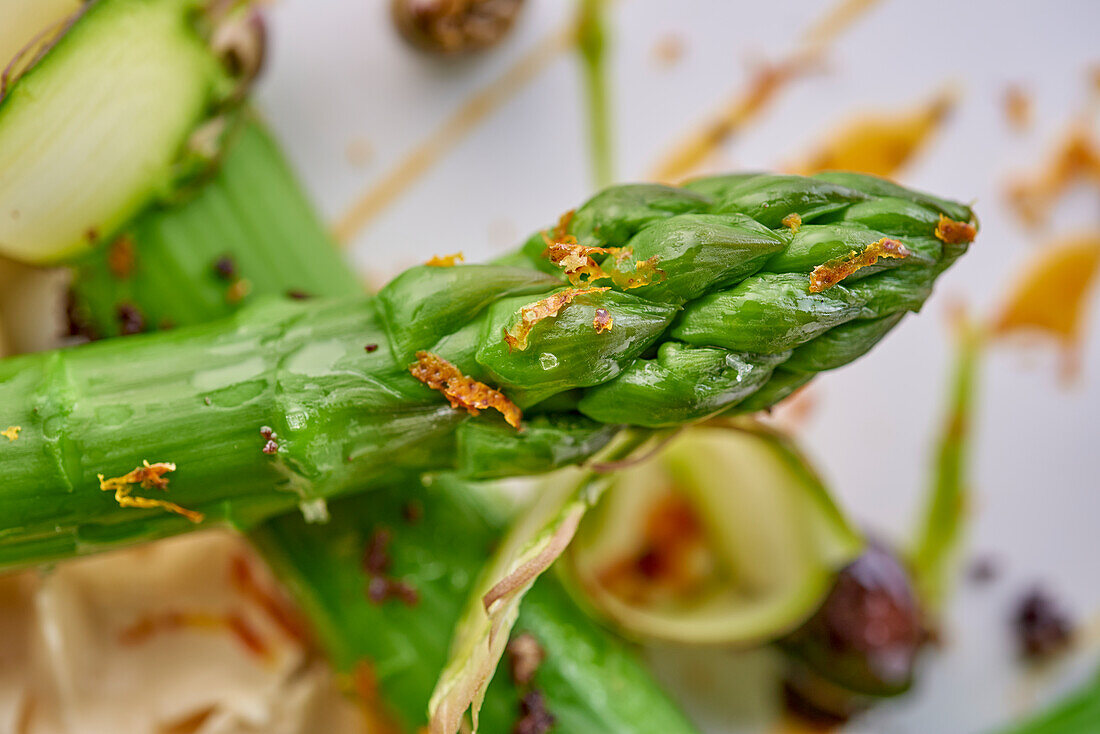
(93, 132)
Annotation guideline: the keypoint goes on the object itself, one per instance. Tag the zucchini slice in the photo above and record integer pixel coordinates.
(726, 538)
(98, 127)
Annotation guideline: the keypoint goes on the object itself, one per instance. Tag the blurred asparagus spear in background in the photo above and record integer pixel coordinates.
(592, 39)
(1077, 713)
(934, 556)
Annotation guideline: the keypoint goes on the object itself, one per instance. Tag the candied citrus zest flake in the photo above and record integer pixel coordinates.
(460, 390)
(576, 260)
(792, 221)
(951, 232)
(11, 432)
(446, 261)
(148, 476)
(564, 222)
(579, 266)
(645, 272)
(827, 275)
(549, 307)
(602, 321)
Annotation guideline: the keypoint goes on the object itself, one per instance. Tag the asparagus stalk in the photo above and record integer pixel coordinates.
(590, 683)
(700, 308)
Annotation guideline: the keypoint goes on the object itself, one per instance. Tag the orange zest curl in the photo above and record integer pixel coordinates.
(581, 269)
(563, 250)
(602, 321)
(149, 476)
(792, 221)
(549, 307)
(462, 391)
(827, 275)
(446, 261)
(951, 232)
(644, 272)
(11, 432)
(576, 260)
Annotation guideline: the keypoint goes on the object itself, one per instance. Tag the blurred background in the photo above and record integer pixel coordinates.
(409, 156)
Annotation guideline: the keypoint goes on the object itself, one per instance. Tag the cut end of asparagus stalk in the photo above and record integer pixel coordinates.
(99, 127)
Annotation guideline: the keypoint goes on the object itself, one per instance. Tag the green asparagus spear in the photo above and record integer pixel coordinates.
(590, 683)
(332, 380)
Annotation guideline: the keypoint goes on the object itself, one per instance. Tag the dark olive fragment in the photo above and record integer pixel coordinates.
(862, 642)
